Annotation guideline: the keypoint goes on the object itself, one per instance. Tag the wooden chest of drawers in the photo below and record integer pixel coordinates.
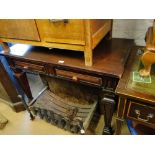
(73, 34)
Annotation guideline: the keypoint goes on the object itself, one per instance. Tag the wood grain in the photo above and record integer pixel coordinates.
(19, 29)
(75, 34)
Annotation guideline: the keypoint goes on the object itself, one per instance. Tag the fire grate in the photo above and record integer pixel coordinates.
(64, 113)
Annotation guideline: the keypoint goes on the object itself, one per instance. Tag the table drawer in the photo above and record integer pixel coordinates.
(79, 77)
(141, 113)
(29, 66)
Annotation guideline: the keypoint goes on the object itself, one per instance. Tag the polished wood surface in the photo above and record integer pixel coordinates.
(99, 29)
(19, 29)
(136, 99)
(108, 55)
(73, 34)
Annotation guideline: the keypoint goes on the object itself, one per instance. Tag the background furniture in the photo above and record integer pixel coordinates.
(136, 99)
(103, 75)
(8, 86)
(148, 57)
(73, 34)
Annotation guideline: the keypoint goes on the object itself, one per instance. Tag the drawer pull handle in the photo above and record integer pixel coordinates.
(25, 67)
(141, 119)
(75, 78)
(58, 20)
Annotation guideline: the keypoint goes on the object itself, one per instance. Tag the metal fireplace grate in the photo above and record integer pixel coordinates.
(64, 113)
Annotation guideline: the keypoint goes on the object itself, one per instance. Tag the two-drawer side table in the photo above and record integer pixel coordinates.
(109, 58)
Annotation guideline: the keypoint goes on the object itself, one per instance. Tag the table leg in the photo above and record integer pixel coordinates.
(107, 108)
(120, 114)
(119, 123)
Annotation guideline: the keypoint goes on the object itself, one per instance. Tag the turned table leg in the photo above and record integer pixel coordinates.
(107, 108)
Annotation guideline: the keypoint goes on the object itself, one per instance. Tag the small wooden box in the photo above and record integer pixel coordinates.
(72, 34)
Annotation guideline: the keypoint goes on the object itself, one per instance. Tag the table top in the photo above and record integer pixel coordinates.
(128, 87)
(109, 57)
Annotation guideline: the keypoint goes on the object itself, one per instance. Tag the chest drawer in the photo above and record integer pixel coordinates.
(19, 29)
(141, 113)
(29, 66)
(79, 77)
(62, 30)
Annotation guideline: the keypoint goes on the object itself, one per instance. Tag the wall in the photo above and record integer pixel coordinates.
(132, 29)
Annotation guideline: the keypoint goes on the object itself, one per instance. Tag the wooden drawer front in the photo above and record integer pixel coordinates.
(19, 29)
(28, 66)
(71, 32)
(79, 77)
(141, 113)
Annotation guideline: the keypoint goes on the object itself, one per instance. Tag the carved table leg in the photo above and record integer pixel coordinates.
(120, 114)
(107, 108)
(22, 79)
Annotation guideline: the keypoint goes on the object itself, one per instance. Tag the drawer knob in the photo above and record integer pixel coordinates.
(75, 78)
(142, 119)
(25, 67)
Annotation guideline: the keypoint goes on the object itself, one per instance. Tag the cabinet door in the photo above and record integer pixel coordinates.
(69, 31)
(24, 29)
